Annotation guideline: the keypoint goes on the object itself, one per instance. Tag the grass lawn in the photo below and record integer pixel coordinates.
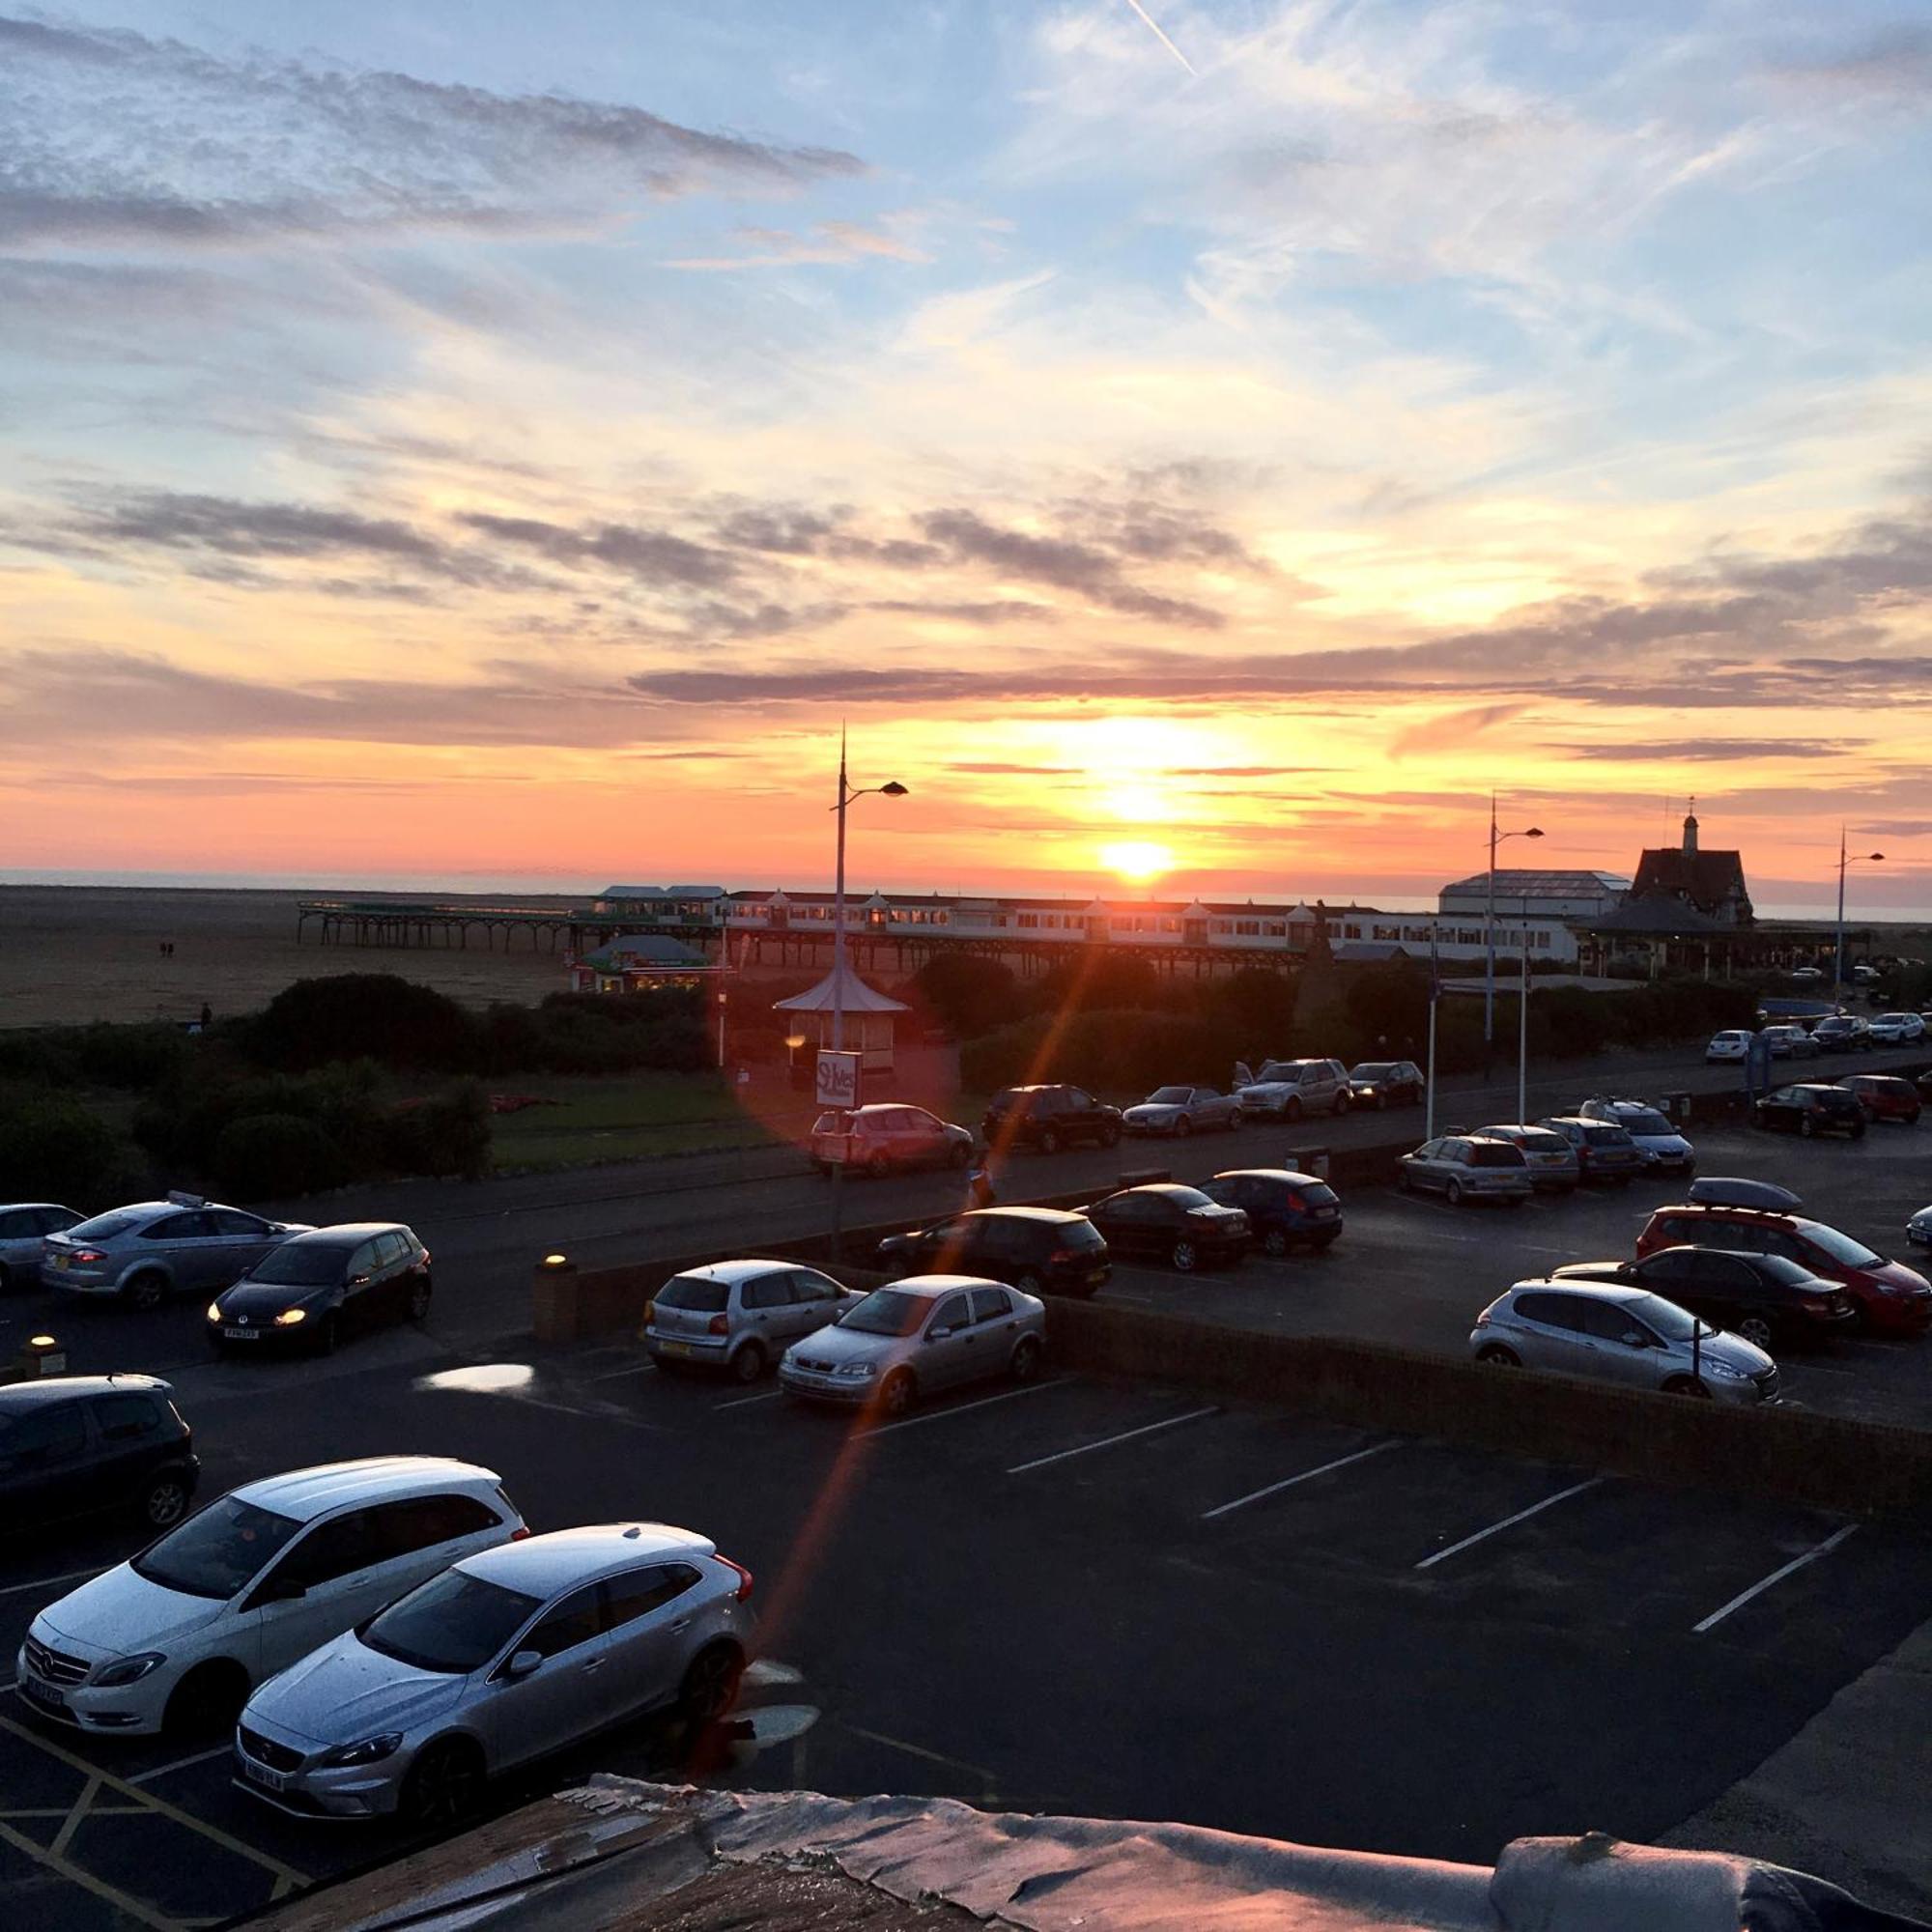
(624, 1116)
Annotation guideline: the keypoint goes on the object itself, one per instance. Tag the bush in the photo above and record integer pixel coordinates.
(966, 995)
(55, 1149)
(263, 1155)
(446, 1135)
(358, 1017)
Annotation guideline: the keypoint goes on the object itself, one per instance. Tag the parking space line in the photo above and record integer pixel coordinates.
(48, 1582)
(77, 1812)
(1508, 1523)
(181, 1764)
(1289, 1482)
(1737, 1603)
(1108, 1441)
(86, 1880)
(988, 1782)
(984, 1402)
(746, 1400)
(615, 1374)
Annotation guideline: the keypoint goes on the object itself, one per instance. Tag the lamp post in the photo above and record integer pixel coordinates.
(1856, 858)
(847, 792)
(1489, 926)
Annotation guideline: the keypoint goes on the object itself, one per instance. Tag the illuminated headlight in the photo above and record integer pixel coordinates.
(127, 1671)
(289, 1317)
(214, 1310)
(371, 1751)
(856, 1371)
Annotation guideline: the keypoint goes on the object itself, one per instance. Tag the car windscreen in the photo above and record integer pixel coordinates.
(1644, 1120)
(1666, 1319)
(887, 1311)
(1372, 1069)
(1495, 1154)
(299, 1264)
(1170, 1097)
(1607, 1136)
(1842, 1248)
(695, 1292)
(106, 1227)
(217, 1551)
(454, 1624)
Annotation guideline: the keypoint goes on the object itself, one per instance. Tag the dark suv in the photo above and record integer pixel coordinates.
(1048, 1118)
(1037, 1250)
(77, 1445)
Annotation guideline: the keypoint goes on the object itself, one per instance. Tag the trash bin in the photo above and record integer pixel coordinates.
(1678, 1107)
(1309, 1160)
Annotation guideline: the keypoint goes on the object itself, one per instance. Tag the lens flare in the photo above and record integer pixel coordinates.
(1137, 860)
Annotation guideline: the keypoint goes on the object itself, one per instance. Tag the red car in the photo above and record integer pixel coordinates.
(1884, 1096)
(1891, 1298)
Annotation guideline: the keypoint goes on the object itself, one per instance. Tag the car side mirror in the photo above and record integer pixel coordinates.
(358, 1281)
(1632, 1340)
(938, 1334)
(522, 1663)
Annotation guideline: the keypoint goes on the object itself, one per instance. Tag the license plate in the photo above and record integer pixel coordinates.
(43, 1694)
(260, 1774)
(1325, 1213)
(1097, 1275)
(677, 1348)
(62, 1260)
(240, 1334)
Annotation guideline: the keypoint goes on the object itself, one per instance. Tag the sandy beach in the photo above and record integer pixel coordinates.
(70, 953)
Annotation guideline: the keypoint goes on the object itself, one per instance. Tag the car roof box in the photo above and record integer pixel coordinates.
(1726, 1190)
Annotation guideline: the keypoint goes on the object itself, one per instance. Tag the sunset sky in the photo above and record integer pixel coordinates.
(461, 441)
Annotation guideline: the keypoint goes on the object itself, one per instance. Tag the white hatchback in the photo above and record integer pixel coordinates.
(176, 1637)
(1733, 1043)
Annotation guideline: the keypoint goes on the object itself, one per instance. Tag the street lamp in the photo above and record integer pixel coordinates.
(1856, 858)
(1489, 921)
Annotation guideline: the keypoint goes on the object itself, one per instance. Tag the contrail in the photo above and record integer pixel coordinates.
(1153, 27)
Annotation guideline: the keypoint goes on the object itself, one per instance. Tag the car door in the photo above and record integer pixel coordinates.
(1123, 1223)
(1422, 1166)
(1621, 1348)
(1082, 1115)
(186, 1243)
(816, 1299)
(947, 1355)
(564, 1697)
(996, 1327)
(765, 1305)
(647, 1637)
(318, 1587)
(361, 1288)
(127, 1428)
(240, 1240)
(19, 1239)
(1552, 1335)
(46, 1466)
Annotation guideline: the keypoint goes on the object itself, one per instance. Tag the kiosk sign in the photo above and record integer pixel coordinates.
(838, 1080)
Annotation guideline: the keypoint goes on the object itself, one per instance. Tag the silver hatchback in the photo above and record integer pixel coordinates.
(1624, 1335)
(1467, 1167)
(145, 1253)
(23, 1226)
(932, 1332)
(739, 1316)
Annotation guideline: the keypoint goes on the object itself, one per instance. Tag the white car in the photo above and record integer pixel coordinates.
(1733, 1043)
(1918, 1230)
(174, 1638)
(509, 1656)
(1289, 1089)
(1897, 1029)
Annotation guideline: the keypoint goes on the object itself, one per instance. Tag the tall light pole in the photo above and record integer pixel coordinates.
(1489, 925)
(1856, 858)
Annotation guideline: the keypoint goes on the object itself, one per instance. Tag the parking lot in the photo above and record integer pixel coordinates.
(1076, 1596)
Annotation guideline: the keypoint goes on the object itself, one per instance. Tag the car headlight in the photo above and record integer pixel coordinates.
(371, 1751)
(856, 1371)
(289, 1317)
(1726, 1370)
(214, 1310)
(127, 1669)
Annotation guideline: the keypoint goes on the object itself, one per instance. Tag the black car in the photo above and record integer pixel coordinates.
(1763, 1298)
(1810, 1108)
(319, 1287)
(80, 1445)
(1181, 1225)
(1386, 1083)
(1842, 1033)
(1048, 1118)
(1037, 1250)
(1285, 1209)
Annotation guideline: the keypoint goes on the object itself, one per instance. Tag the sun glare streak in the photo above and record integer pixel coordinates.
(1138, 861)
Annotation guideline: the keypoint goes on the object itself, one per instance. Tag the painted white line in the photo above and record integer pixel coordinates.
(947, 1414)
(617, 1375)
(1508, 1521)
(181, 1764)
(746, 1400)
(1289, 1482)
(1737, 1603)
(48, 1582)
(1108, 1441)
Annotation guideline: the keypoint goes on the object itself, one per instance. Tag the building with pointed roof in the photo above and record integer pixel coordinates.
(1713, 883)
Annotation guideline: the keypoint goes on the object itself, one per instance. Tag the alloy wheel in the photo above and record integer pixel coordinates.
(165, 1501)
(1183, 1257)
(444, 1786)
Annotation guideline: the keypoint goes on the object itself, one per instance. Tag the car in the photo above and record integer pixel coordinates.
(1286, 1209)
(1162, 1220)
(1618, 1334)
(1468, 1167)
(1897, 1029)
(1841, 1033)
(1733, 1043)
(1663, 1148)
(928, 1332)
(1552, 1160)
(1038, 1250)
(1386, 1083)
(1890, 1298)
(86, 1445)
(1923, 1082)
(1787, 1042)
(174, 1638)
(1765, 1298)
(145, 1253)
(884, 1136)
(1918, 1230)
(316, 1287)
(1182, 1110)
(739, 1316)
(1884, 1096)
(24, 1226)
(1811, 1107)
(1289, 1089)
(1808, 975)
(507, 1656)
(1604, 1151)
(1047, 1118)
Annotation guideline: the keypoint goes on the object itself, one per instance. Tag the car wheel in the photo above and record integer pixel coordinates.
(1805, 1127)
(1687, 1385)
(419, 1296)
(877, 1166)
(1026, 1358)
(710, 1685)
(1031, 1284)
(749, 1363)
(1343, 1102)
(206, 1700)
(1275, 1243)
(898, 1392)
(1755, 1330)
(1110, 1134)
(1184, 1256)
(164, 1500)
(1291, 1108)
(1497, 1356)
(1453, 1194)
(146, 1291)
(1049, 1141)
(1404, 1180)
(1182, 1128)
(445, 1786)
(1382, 1103)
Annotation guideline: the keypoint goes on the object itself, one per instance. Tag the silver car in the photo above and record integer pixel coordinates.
(1467, 1167)
(1551, 1158)
(1664, 1150)
(739, 1316)
(23, 1226)
(1624, 1335)
(182, 1245)
(1182, 1111)
(878, 1138)
(1790, 1043)
(506, 1657)
(928, 1332)
(1918, 1230)
(1289, 1089)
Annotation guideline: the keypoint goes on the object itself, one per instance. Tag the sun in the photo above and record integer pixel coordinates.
(1137, 861)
